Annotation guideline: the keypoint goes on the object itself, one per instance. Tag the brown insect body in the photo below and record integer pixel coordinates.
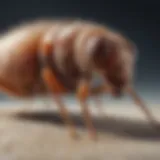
(61, 55)
(19, 49)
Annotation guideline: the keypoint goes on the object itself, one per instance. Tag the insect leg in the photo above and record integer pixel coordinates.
(55, 88)
(82, 94)
(142, 106)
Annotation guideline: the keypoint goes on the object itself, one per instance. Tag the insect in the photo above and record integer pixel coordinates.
(60, 56)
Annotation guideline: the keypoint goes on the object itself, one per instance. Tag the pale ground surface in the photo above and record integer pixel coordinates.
(33, 132)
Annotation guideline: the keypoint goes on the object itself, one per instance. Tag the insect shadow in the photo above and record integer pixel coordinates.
(124, 127)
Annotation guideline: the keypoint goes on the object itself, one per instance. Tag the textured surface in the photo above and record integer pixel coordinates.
(37, 133)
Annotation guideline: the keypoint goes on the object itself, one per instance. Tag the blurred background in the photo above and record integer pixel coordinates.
(137, 19)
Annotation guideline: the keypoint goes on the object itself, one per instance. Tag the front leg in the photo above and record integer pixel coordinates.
(142, 106)
(83, 92)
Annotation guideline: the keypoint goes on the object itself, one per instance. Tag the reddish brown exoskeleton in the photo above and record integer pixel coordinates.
(60, 56)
